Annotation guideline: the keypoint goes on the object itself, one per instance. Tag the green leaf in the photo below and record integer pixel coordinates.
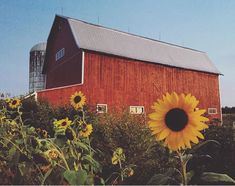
(60, 140)
(75, 177)
(190, 174)
(19, 141)
(92, 162)
(90, 180)
(82, 146)
(161, 179)
(203, 145)
(216, 178)
(88, 158)
(12, 152)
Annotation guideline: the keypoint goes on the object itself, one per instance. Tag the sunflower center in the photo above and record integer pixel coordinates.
(77, 99)
(176, 119)
(14, 102)
(64, 123)
(84, 127)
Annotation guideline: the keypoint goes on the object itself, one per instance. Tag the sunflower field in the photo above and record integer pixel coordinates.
(74, 145)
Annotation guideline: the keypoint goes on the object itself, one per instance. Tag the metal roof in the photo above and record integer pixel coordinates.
(97, 38)
(39, 47)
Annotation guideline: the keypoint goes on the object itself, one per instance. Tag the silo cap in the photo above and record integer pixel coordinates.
(39, 47)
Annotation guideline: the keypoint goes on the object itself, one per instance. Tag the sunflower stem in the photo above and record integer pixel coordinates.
(183, 168)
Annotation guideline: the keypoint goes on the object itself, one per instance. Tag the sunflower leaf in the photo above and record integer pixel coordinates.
(75, 177)
(162, 179)
(190, 174)
(203, 145)
(82, 146)
(216, 178)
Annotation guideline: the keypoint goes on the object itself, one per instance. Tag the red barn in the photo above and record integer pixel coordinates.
(115, 69)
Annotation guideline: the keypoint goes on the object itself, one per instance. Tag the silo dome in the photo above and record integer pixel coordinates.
(36, 62)
(39, 47)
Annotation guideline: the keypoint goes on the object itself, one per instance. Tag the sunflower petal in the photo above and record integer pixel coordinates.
(194, 139)
(163, 134)
(155, 116)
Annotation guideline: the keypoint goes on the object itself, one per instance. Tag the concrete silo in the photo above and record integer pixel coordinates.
(36, 61)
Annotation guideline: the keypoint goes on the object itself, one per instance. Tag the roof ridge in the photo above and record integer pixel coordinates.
(131, 34)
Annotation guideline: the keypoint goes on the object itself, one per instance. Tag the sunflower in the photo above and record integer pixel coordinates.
(7, 100)
(86, 130)
(14, 103)
(62, 124)
(176, 121)
(2, 118)
(77, 100)
(52, 154)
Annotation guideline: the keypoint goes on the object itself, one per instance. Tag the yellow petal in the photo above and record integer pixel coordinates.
(194, 139)
(155, 116)
(199, 112)
(172, 144)
(175, 99)
(195, 132)
(201, 126)
(163, 134)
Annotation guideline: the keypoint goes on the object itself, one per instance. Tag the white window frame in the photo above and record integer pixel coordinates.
(102, 105)
(83, 59)
(59, 54)
(211, 111)
(137, 107)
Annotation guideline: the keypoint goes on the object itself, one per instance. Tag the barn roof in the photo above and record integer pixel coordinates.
(101, 39)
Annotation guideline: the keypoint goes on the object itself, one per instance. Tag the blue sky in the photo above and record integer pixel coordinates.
(207, 25)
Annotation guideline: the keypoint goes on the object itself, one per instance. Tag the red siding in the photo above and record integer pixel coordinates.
(121, 82)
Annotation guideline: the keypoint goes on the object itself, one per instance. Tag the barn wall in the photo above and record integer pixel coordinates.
(121, 82)
(67, 70)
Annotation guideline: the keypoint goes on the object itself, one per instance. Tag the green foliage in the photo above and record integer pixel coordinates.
(216, 178)
(75, 177)
(131, 134)
(162, 179)
(34, 157)
(121, 150)
(224, 155)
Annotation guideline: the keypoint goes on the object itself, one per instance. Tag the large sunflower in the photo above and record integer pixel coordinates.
(86, 130)
(77, 100)
(176, 121)
(62, 124)
(14, 103)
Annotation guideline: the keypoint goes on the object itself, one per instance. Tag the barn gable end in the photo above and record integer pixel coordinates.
(63, 61)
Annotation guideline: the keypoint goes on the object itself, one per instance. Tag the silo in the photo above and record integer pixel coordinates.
(36, 61)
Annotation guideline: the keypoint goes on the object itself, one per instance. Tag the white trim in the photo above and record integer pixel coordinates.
(36, 96)
(67, 86)
(209, 111)
(59, 54)
(137, 106)
(101, 104)
(83, 59)
(220, 101)
(31, 95)
(45, 82)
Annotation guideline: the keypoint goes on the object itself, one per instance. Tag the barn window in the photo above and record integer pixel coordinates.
(137, 109)
(101, 108)
(212, 110)
(59, 54)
